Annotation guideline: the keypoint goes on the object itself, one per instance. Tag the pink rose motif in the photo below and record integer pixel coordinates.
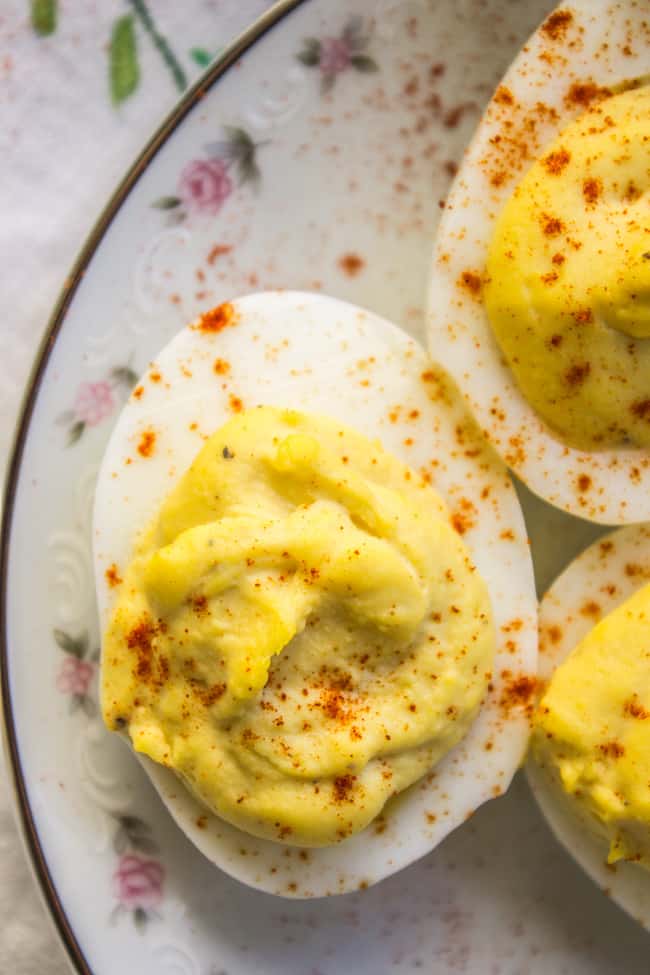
(94, 401)
(335, 56)
(204, 185)
(74, 676)
(138, 883)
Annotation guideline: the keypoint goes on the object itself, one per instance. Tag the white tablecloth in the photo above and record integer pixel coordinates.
(82, 87)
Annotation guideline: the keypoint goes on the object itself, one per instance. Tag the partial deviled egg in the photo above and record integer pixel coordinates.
(316, 595)
(589, 765)
(540, 291)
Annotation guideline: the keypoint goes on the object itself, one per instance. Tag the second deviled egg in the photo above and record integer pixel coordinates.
(540, 294)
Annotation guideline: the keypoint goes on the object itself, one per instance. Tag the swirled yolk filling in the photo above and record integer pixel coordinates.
(301, 633)
(568, 278)
(592, 729)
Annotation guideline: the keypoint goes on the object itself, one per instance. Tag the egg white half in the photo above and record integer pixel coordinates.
(595, 583)
(585, 42)
(321, 355)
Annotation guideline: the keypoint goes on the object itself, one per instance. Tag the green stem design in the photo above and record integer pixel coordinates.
(142, 12)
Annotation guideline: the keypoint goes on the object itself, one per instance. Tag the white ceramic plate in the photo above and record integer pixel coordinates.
(352, 162)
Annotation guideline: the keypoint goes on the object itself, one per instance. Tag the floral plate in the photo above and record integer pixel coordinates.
(313, 155)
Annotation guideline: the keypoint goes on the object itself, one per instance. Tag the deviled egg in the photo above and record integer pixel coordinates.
(540, 294)
(589, 757)
(315, 592)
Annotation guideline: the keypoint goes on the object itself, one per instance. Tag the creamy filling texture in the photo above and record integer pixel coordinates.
(301, 633)
(592, 729)
(567, 288)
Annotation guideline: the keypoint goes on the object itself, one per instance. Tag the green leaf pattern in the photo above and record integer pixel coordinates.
(140, 918)
(77, 646)
(44, 16)
(201, 57)
(124, 376)
(363, 63)
(166, 202)
(75, 432)
(133, 833)
(310, 54)
(124, 70)
(242, 151)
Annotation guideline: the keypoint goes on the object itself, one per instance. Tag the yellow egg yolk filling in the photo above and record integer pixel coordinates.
(567, 289)
(592, 729)
(301, 634)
